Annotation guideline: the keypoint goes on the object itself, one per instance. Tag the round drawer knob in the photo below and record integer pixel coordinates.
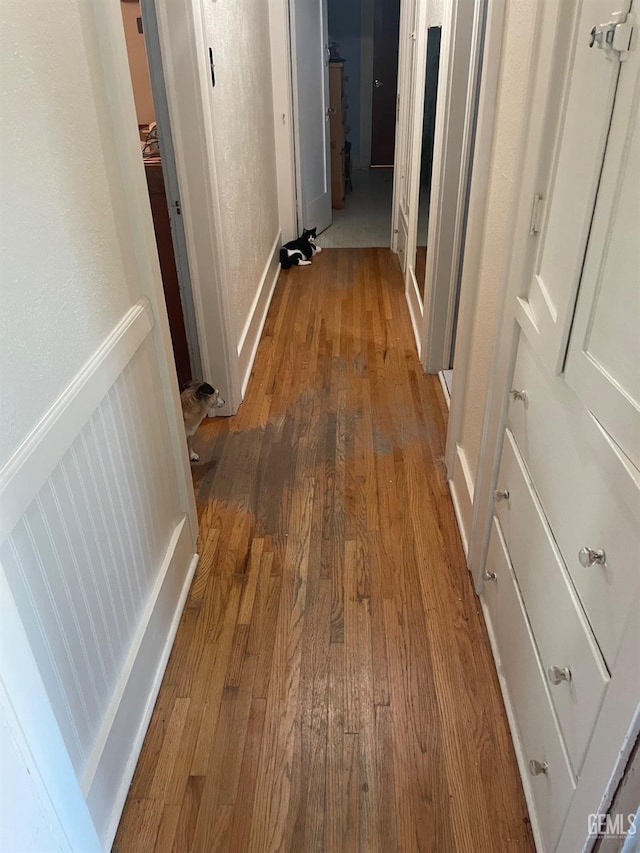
(592, 557)
(490, 576)
(501, 495)
(518, 394)
(538, 768)
(559, 674)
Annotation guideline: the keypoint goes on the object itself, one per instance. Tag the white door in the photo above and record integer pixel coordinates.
(603, 363)
(561, 211)
(310, 73)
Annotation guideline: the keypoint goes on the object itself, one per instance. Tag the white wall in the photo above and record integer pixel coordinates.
(63, 282)
(97, 516)
(242, 105)
(518, 31)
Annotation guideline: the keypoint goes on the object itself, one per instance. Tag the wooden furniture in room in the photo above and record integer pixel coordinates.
(337, 115)
(170, 283)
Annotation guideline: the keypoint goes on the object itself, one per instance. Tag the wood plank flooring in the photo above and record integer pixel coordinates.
(331, 687)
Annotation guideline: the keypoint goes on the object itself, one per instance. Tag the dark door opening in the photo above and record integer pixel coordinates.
(386, 34)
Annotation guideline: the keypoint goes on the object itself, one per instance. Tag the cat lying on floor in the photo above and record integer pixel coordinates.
(299, 252)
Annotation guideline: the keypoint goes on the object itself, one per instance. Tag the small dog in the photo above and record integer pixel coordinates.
(198, 399)
(299, 252)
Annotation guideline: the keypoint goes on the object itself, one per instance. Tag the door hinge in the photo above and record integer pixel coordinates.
(537, 212)
(177, 208)
(614, 37)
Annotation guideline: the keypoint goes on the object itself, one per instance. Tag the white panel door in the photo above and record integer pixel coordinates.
(310, 60)
(563, 218)
(603, 363)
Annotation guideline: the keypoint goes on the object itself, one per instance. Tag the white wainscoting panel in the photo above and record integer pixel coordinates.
(99, 561)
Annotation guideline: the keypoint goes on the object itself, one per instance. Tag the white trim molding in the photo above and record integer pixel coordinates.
(30, 466)
(474, 238)
(461, 487)
(105, 782)
(250, 338)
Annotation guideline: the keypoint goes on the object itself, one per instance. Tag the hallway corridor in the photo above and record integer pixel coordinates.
(331, 687)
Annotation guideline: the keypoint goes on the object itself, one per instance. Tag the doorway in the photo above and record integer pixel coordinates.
(157, 152)
(415, 202)
(362, 60)
(438, 92)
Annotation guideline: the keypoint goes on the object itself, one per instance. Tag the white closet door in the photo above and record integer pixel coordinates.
(603, 364)
(561, 220)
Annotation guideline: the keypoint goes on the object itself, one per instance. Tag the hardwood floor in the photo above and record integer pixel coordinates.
(331, 687)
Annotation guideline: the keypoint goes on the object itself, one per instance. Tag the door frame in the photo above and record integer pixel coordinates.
(461, 61)
(170, 176)
(187, 78)
(474, 238)
(433, 317)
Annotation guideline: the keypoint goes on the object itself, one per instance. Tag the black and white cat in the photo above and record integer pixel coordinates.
(299, 252)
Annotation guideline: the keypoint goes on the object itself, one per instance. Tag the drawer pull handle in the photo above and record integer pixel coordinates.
(490, 576)
(516, 394)
(538, 768)
(591, 556)
(559, 674)
(501, 495)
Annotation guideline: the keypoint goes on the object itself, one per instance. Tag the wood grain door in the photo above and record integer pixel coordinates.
(386, 32)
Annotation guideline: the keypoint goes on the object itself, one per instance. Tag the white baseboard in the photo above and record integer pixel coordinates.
(414, 302)
(114, 758)
(461, 487)
(250, 337)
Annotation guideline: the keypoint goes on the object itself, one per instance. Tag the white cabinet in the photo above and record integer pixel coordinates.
(589, 491)
(603, 364)
(562, 575)
(569, 656)
(551, 785)
(546, 298)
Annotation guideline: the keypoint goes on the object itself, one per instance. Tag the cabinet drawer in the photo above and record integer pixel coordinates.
(590, 493)
(537, 736)
(561, 632)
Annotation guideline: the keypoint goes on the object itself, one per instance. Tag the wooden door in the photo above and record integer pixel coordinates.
(386, 33)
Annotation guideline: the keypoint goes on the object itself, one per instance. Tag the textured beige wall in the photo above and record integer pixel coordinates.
(63, 282)
(242, 104)
(518, 35)
(138, 65)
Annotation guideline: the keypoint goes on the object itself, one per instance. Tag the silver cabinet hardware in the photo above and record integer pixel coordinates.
(559, 674)
(501, 495)
(516, 395)
(591, 556)
(331, 111)
(378, 84)
(490, 576)
(538, 768)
